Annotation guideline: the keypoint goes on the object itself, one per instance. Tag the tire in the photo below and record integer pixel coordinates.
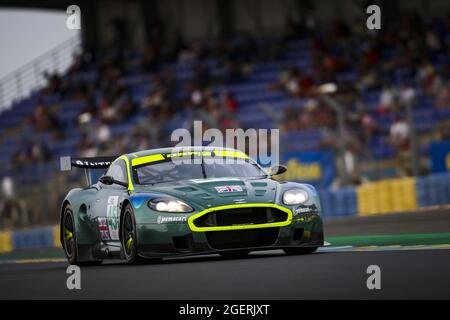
(69, 239)
(235, 254)
(128, 237)
(299, 251)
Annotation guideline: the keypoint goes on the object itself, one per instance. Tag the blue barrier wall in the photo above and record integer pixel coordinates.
(32, 239)
(338, 203)
(433, 190)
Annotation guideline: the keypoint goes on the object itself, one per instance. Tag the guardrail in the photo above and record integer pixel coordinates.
(21, 82)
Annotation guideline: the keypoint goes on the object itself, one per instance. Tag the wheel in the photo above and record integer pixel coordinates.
(234, 254)
(68, 235)
(69, 240)
(297, 251)
(128, 237)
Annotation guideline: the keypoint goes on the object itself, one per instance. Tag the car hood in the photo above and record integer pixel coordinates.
(219, 191)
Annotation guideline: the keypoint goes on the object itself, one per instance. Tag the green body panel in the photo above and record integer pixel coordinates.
(97, 211)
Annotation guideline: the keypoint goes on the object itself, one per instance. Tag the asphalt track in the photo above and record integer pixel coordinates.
(407, 271)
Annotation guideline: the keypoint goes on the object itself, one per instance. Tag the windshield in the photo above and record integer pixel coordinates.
(169, 171)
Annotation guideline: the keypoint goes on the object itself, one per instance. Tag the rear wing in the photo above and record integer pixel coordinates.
(68, 162)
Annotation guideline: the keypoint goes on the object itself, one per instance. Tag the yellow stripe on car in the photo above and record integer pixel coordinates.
(130, 181)
(147, 159)
(288, 221)
(190, 153)
(231, 154)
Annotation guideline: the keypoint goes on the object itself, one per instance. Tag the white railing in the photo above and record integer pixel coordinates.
(19, 83)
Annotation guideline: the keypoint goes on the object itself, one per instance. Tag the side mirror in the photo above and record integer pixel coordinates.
(108, 180)
(277, 169)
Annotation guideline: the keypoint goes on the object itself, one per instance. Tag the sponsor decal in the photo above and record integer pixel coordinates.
(302, 210)
(224, 189)
(304, 214)
(306, 211)
(112, 216)
(92, 163)
(103, 228)
(209, 180)
(166, 219)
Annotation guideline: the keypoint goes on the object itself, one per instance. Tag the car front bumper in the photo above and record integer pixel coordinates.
(177, 238)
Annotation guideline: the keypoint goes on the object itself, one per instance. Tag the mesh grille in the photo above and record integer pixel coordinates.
(242, 216)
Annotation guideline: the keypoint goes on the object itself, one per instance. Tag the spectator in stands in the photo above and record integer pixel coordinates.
(102, 136)
(91, 107)
(428, 78)
(194, 53)
(22, 154)
(197, 98)
(444, 130)
(30, 151)
(443, 97)
(43, 120)
(108, 112)
(13, 210)
(369, 127)
(288, 81)
(86, 146)
(400, 139)
(307, 117)
(229, 103)
(407, 94)
(54, 84)
(388, 100)
(290, 121)
(399, 133)
(210, 112)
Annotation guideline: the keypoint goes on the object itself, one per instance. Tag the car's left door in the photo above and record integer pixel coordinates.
(108, 202)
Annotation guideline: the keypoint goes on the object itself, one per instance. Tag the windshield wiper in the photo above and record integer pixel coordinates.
(203, 169)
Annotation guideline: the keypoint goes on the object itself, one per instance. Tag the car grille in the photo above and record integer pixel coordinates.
(241, 216)
(235, 239)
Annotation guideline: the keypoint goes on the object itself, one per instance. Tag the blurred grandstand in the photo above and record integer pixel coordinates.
(118, 99)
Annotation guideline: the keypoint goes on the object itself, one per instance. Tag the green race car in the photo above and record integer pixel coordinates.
(165, 203)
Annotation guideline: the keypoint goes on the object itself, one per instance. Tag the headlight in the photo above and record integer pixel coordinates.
(295, 196)
(169, 205)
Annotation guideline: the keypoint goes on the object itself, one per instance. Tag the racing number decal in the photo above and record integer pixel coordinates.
(112, 217)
